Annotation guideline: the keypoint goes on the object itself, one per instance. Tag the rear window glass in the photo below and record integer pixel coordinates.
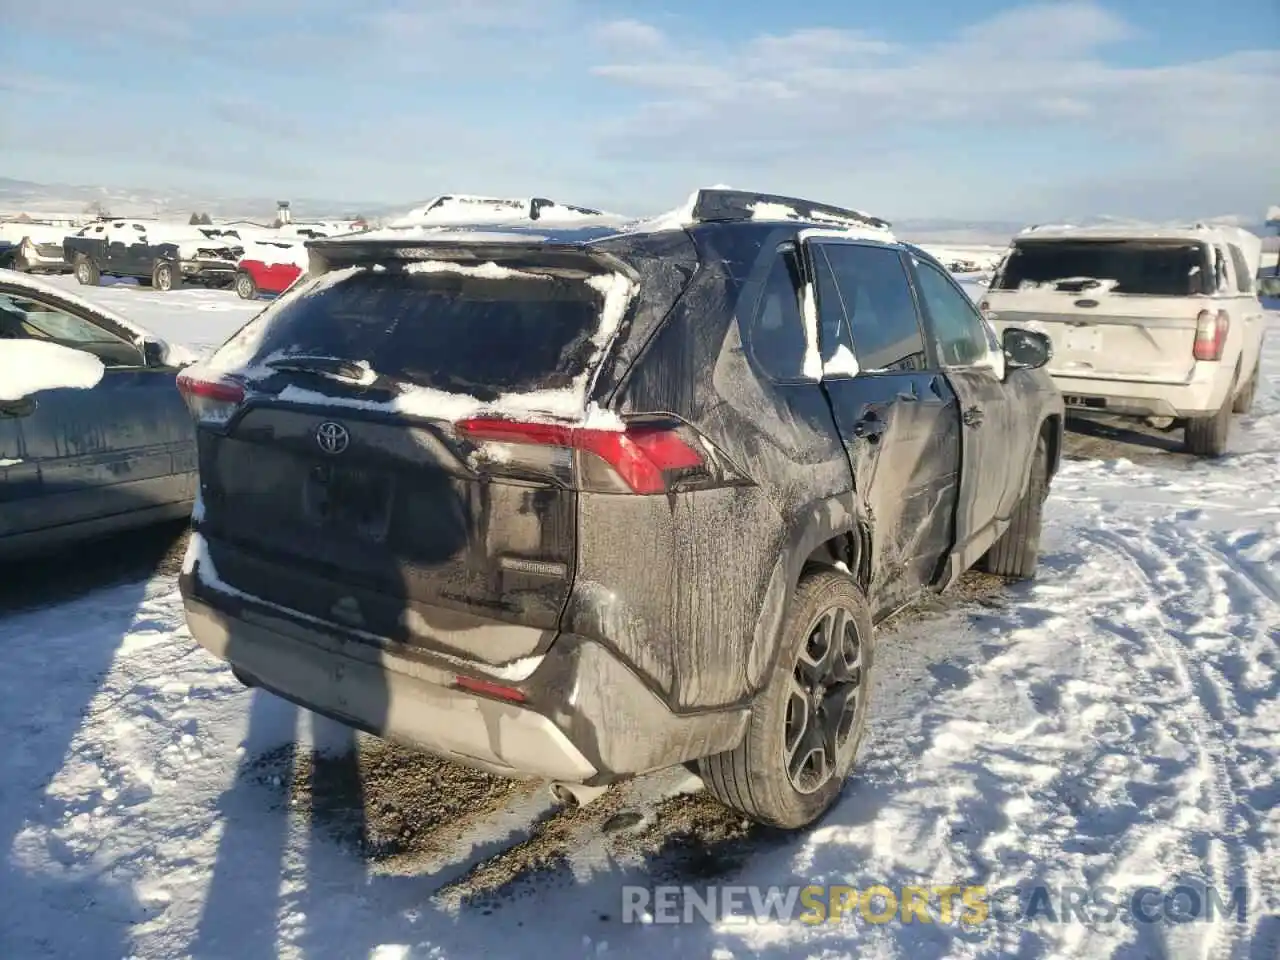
(447, 331)
(1150, 268)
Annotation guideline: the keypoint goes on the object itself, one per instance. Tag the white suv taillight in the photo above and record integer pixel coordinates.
(212, 401)
(1211, 334)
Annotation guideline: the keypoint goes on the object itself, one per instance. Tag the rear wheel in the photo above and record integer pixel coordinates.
(808, 721)
(246, 289)
(86, 271)
(1207, 436)
(1017, 553)
(1244, 399)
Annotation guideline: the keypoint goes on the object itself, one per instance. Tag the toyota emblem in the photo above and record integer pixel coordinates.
(332, 437)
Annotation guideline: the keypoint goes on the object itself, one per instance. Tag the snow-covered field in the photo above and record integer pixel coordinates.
(193, 316)
(1115, 723)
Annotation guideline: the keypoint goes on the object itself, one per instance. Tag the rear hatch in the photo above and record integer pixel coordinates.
(1114, 309)
(353, 456)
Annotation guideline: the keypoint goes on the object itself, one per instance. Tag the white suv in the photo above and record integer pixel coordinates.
(1158, 323)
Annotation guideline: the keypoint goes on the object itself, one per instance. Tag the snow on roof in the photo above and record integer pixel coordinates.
(16, 232)
(464, 210)
(676, 219)
(682, 217)
(494, 220)
(1136, 230)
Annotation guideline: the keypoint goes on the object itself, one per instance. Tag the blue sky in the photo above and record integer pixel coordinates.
(933, 108)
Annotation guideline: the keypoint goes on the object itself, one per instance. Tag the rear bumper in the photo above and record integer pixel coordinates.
(1203, 395)
(587, 718)
(43, 260)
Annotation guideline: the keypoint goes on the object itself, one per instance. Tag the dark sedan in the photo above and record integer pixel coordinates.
(77, 463)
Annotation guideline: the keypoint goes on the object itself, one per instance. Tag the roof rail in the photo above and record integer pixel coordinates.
(714, 205)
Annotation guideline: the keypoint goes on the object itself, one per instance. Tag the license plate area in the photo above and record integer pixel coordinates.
(348, 500)
(1082, 339)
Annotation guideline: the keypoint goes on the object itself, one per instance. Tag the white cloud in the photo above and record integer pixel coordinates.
(629, 36)
(832, 98)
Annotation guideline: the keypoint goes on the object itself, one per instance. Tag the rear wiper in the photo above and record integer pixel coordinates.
(325, 366)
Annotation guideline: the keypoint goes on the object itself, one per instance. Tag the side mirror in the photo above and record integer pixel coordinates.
(155, 353)
(1025, 349)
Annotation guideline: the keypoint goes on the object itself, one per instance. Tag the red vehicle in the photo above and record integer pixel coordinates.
(269, 267)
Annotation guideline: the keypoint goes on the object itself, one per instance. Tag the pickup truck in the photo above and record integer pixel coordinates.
(161, 255)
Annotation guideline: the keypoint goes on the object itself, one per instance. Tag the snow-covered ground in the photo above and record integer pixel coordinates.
(195, 317)
(1116, 722)
(984, 257)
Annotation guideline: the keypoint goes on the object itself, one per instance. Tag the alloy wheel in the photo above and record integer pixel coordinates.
(826, 686)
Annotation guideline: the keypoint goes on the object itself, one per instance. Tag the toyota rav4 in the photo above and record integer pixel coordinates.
(582, 503)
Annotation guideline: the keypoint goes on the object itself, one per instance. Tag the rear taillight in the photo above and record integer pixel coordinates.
(643, 459)
(213, 401)
(1211, 334)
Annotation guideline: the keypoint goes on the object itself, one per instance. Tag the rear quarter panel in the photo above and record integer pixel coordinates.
(691, 589)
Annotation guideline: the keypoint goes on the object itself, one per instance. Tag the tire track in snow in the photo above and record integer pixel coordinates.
(1169, 586)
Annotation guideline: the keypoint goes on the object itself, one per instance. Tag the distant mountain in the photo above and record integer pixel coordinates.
(61, 199)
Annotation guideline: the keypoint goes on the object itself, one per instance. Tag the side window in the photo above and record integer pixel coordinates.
(22, 317)
(878, 308)
(776, 335)
(1244, 279)
(962, 337)
(1222, 282)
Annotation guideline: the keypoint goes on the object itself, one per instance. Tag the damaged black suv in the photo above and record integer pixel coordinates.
(583, 503)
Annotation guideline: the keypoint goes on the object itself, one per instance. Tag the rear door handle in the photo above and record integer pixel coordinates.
(973, 417)
(909, 393)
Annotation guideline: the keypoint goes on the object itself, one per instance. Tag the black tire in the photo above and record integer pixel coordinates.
(758, 777)
(1208, 436)
(86, 271)
(166, 276)
(246, 289)
(1244, 399)
(1017, 553)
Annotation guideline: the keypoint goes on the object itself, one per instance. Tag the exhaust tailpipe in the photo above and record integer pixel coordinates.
(575, 794)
